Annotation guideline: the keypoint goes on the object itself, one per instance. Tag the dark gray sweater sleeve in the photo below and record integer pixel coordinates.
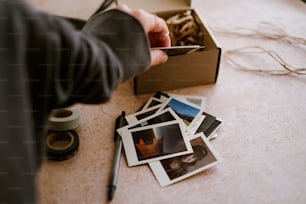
(46, 64)
(85, 66)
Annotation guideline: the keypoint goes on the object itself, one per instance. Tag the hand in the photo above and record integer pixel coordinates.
(156, 29)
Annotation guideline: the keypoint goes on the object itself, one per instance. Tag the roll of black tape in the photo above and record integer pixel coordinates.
(62, 145)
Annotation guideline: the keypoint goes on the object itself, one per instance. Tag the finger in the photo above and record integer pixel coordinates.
(159, 33)
(150, 22)
(155, 27)
(159, 26)
(158, 57)
(160, 40)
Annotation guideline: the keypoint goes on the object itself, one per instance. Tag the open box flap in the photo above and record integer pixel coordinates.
(157, 5)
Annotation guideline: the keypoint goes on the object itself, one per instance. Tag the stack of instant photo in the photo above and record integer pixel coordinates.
(171, 133)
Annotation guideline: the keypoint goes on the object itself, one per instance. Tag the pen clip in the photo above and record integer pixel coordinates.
(120, 122)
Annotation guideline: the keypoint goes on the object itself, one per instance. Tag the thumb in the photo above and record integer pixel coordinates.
(158, 57)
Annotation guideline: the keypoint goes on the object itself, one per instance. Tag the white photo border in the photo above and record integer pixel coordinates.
(162, 176)
(132, 118)
(197, 119)
(130, 126)
(148, 103)
(130, 149)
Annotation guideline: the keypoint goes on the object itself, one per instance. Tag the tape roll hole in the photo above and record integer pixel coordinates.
(60, 140)
(62, 113)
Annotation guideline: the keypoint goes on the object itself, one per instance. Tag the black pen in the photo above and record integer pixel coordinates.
(120, 122)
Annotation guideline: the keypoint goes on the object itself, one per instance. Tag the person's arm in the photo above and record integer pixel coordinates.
(46, 64)
(84, 66)
(67, 66)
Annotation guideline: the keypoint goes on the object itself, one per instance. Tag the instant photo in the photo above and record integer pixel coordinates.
(206, 123)
(209, 125)
(179, 50)
(135, 117)
(151, 103)
(160, 117)
(190, 114)
(212, 129)
(161, 95)
(198, 101)
(155, 142)
(172, 170)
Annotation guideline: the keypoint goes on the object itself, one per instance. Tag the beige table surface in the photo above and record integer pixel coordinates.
(261, 141)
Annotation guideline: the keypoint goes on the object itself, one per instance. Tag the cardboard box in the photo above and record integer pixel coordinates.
(180, 71)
